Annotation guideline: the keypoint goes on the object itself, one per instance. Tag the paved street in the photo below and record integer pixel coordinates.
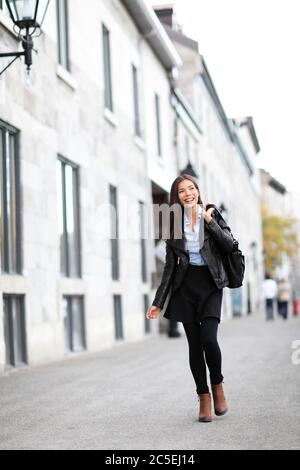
(142, 396)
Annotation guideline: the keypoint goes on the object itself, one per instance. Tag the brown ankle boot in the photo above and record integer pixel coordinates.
(205, 408)
(220, 404)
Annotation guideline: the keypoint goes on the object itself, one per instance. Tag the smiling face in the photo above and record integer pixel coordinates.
(187, 193)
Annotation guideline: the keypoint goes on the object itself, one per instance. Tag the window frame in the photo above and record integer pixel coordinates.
(107, 68)
(65, 265)
(8, 132)
(62, 19)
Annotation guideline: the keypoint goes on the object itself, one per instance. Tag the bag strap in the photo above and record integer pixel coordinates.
(235, 241)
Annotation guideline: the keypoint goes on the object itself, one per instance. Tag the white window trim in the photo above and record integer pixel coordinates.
(139, 142)
(110, 117)
(66, 76)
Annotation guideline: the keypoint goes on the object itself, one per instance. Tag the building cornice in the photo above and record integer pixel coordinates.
(272, 182)
(215, 98)
(154, 33)
(248, 121)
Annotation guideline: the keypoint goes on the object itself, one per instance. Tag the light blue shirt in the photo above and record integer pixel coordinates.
(192, 243)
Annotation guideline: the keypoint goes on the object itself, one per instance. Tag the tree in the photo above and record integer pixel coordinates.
(279, 238)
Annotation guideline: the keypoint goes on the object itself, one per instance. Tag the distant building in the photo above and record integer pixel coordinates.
(274, 194)
(295, 261)
(280, 202)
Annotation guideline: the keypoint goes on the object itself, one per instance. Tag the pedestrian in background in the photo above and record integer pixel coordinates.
(283, 298)
(269, 293)
(196, 276)
(295, 303)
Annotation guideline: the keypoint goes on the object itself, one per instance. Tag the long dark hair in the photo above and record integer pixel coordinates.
(176, 219)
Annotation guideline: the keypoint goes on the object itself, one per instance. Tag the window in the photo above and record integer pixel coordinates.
(137, 124)
(68, 218)
(118, 317)
(74, 327)
(10, 226)
(114, 233)
(14, 330)
(143, 245)
(147, 321)
(158, 124)
(63, 34)
(108, 99)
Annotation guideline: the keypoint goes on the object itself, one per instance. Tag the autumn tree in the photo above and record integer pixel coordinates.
(279, 238)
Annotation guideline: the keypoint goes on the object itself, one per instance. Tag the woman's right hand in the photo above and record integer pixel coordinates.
(153, 312)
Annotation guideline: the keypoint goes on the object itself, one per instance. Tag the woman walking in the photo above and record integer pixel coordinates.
(194, 276)
(283, 298)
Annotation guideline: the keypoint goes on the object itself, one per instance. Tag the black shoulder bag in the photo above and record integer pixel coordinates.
(234, 262)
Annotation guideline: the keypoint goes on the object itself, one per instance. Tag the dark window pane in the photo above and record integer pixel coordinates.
(143, 244)
(74, 329)
(77, 324)
(2, 180)
(108, 100)
(68, 219)
(158, 124)
(147, 321)
(14, 330)
(72, 220)
(67, 324)
(9, 202)
(137, 127)
(12, 205)
(8, 330)
(19, 333)
(3, 6)
(114, 233)
(62, 30)
(60, 215)
(118, 317)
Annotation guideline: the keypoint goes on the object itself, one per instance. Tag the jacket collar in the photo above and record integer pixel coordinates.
(178, 243)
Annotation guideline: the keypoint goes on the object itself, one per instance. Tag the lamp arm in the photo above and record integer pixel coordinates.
(8, 55)
(12, 54)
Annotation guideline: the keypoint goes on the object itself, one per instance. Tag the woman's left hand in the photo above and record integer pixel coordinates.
(207, 214)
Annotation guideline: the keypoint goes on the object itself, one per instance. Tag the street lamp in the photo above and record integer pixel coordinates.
(27, 15)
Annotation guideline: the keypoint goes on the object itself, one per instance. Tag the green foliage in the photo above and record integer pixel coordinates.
(279, 238)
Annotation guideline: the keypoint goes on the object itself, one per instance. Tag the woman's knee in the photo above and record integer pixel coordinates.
(209, 342)
(209, 334)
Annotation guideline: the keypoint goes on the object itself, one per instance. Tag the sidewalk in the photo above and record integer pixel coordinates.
(142, 396)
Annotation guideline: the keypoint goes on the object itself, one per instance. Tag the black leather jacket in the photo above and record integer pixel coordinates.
(217, 239)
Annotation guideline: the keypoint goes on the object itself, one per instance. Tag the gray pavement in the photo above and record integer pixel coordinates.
(142, 396)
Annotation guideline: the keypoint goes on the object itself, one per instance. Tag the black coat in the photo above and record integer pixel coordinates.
(217, 238)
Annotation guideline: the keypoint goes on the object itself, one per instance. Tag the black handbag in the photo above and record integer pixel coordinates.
(234, 262)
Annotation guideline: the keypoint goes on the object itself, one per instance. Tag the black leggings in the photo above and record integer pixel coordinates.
(202, 339)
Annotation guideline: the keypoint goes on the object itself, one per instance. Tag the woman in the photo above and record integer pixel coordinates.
(194, 276)
(283, 298)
